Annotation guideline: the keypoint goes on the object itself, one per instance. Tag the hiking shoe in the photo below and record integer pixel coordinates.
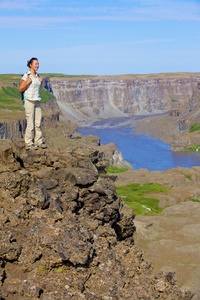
(31, 147)
(42, 145)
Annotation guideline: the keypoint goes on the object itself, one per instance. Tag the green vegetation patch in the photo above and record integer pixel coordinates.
(174, 100)
(10, 77)
(195, 200)
(195, 127)
(112, 170)
(59, 270)
(193, 148)
(17, 77)
(65, 76)
(42, 269)
(45, 95)
(134, 196)
(8, 97)
(9, 94)
(11, 107)
(187, 176)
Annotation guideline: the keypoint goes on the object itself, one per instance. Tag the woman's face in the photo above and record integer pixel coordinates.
(35, 65)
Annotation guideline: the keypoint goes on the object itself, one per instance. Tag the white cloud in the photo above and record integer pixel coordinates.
(152, 10)
(10, 5)
(139, 16)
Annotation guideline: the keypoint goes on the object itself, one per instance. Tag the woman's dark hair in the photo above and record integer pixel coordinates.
(30, 61)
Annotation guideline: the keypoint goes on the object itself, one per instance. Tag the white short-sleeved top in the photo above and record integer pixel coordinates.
(32, 92)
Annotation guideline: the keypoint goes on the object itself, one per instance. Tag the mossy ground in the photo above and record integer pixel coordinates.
(135, 195)
(112, 170)
(192, 148)
(10, 77)
(187, 176)
(195, 127)
(8, 98)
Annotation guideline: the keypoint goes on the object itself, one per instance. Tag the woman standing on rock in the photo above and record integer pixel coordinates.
(30, 85)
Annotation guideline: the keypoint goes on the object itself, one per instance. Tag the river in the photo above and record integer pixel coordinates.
(141, 151)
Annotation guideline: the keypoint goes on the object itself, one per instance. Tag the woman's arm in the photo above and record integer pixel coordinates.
(24, 84)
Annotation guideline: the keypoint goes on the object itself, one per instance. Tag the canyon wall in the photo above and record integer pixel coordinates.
(182, 139)
(113, 96)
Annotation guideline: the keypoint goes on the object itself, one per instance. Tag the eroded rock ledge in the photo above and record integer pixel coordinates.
(65, 234)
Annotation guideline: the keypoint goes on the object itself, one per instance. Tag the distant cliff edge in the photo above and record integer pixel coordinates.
(111, 96)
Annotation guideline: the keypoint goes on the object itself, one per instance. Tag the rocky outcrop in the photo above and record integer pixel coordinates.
(113, 156)
(118, 161)
(64, 232)
(103, 97)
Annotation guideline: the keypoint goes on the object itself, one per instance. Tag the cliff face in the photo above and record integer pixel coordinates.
(103, 97)
(12, 130)
(64, 232)
(182, 139)
(194, 102)
(175, 128)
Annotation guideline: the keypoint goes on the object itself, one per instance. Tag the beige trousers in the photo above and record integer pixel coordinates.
(33, 132)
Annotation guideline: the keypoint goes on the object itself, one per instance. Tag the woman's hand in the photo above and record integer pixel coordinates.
(29, 80)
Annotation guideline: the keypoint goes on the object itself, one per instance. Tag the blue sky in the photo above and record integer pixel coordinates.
(104, 37)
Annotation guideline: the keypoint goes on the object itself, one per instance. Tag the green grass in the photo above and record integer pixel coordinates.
(112, 170)
(174, 100)
(17, 77)
(134, 196)
(11, 107)
(192, 148)
(187, 176)
(10, 77)
(9, 95)
(64, 75)
(195, 127)
(45, 95)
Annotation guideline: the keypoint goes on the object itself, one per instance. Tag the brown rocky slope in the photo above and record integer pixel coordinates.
(65, 234)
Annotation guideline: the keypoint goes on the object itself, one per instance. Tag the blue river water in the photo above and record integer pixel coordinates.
(141, 151)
